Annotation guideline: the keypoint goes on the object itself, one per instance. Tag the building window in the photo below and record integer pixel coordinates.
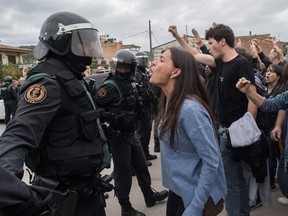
(11, 59)
(1, 59)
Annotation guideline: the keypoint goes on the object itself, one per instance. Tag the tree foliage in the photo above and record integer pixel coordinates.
(10, 70)
(28, 58)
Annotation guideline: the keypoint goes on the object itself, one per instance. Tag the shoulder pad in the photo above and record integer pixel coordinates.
(32, 79)
(65, 75)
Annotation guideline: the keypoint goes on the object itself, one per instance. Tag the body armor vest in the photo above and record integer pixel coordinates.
(71, 145)
(129, 103)
(128, 93)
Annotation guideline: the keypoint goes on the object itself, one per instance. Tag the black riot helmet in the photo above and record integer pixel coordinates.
(124, 59)
(65, 32)
(8, 80)
(142, 59)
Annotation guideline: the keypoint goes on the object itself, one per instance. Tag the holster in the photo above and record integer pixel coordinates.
(64, 204)
(105, 185)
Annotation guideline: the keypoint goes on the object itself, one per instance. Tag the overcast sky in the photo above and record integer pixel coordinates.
(128, 20)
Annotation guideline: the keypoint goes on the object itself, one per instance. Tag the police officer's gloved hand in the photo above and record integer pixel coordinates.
(28, 209)
(37, 203)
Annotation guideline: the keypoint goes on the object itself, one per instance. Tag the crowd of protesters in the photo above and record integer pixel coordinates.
(224, 65)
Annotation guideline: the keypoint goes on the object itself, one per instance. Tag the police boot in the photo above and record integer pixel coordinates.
(128, 210)
(150, 157)
(152, 196)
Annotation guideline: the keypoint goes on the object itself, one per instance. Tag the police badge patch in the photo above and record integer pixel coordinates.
(35, 94)
(102, 92)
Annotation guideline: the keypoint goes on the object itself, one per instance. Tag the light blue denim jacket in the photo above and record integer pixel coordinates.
(274, 104)
(194, 169)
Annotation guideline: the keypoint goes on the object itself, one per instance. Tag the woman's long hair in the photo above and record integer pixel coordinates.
(188, 85)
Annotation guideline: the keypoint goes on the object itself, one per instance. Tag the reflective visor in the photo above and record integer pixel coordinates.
(85, 42)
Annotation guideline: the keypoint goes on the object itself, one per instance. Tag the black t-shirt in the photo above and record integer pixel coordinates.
(232, 103)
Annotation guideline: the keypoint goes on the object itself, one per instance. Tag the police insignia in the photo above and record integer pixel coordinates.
(102, 92)
(35, 94)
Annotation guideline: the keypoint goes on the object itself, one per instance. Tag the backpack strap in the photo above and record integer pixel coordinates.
(113, 83)
(105, 148)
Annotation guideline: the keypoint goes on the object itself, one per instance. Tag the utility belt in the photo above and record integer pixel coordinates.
(84, 187)
(66, 193)
(115, 136)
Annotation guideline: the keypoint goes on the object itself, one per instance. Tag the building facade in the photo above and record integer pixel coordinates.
(12, 55)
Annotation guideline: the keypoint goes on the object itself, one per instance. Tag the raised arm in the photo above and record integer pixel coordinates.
(201, 58)
(244, 86)
(266, 105)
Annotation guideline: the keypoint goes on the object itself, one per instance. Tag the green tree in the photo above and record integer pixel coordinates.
(10, 70)
(28, 58)
(95, 64)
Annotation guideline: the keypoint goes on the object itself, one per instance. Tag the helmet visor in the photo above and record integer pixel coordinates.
(85, 42)
(143, 61)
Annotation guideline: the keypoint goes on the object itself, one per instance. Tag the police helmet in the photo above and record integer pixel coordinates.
(8, 80)
(142, 59)
(65, 31)
(124, 58)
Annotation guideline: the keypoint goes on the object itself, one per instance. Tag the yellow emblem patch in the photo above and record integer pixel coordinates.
(35, 94)
(102, 92)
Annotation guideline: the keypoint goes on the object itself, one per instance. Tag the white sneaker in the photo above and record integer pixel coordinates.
(282, 200)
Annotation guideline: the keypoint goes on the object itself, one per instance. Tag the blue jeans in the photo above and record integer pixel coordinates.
(283, 177)
(237, 198)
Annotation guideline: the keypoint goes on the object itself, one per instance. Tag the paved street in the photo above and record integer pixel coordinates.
(113, 208)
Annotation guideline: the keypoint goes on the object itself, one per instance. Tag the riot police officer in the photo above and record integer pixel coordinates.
(144, 124)
(56, 129)
(119, 97)
(9, 95)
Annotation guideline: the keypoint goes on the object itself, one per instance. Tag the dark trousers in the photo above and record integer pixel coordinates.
(126, 153)
(91, 206)
(175, 205)
(10, 109)
(273, 157)
(144, 127)
(283, 177)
